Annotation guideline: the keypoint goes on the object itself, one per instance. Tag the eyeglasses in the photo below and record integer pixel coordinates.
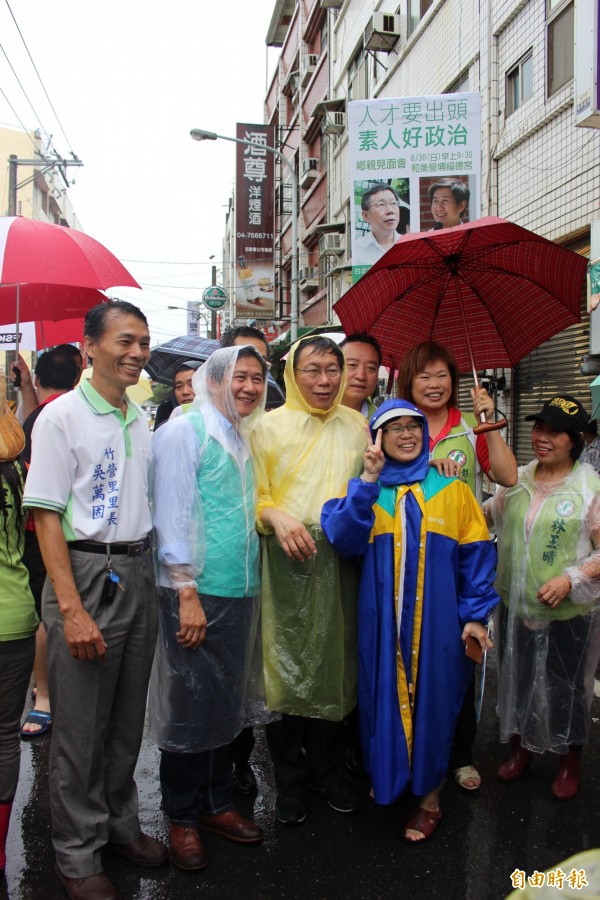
(412, 428)
(381, 204)
(312, 373)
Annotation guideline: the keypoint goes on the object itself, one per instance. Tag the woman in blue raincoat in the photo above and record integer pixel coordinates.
(426, 584)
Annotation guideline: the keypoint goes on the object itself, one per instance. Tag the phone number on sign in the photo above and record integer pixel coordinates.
(257, 236)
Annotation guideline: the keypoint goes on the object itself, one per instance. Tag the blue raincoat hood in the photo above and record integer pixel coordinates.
(394, 472)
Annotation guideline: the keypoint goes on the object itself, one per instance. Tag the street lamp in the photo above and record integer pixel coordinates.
(198, 134)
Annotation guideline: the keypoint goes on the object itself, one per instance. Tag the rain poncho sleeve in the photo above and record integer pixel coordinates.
(303, 457)
(348, 522)
(548, 655)
(178, 516)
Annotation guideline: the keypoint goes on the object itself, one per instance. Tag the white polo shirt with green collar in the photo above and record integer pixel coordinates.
(90, 465)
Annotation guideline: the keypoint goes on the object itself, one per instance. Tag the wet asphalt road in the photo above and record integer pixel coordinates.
(482, 838)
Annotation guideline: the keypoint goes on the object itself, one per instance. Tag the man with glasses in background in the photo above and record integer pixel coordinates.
(380, 207)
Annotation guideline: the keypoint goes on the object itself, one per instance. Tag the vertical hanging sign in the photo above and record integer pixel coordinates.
(254, 220)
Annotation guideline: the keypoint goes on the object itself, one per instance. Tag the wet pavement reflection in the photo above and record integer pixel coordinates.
(483, 837)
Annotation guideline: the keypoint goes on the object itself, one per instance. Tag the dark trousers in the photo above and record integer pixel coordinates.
(306, 750)
(16, 663)
(242, 746)
(196, 784)
(466, 730)
(32, 559)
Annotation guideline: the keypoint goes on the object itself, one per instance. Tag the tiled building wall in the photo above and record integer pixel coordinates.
(442, 47)
(547, 167)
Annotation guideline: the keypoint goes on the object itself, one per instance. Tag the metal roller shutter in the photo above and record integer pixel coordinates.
(465, 404)
(554, 368)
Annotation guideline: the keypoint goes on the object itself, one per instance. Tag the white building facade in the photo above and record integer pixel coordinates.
(538, 168)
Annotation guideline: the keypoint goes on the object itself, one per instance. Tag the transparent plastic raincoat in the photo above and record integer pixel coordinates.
(547, 655)
(203, 501)
(303, 457)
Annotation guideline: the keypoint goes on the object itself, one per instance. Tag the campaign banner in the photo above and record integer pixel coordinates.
(254, 223)
(415, 165)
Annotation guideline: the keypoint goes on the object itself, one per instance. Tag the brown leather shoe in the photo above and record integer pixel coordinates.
(94, 887)
(230, 824)
(187, 850)
(143, 851)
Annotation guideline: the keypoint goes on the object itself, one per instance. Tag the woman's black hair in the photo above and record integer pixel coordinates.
(578, 442)
(11, 497)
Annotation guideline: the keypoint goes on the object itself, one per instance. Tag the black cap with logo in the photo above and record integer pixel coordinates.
(563, 413)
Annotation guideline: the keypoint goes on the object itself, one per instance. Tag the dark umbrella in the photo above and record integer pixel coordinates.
(166, 358)
(490, 291)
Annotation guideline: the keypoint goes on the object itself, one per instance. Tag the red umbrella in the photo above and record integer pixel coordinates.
(49, 272)
(490, 291)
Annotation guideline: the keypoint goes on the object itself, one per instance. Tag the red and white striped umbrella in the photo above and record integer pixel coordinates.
(50, 272)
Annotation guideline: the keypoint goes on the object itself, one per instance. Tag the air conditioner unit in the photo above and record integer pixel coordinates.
(307, 68)
(310, 170)
(331, 4)
(334, 122)
(331, 245)
(307, 273)
(382, 31)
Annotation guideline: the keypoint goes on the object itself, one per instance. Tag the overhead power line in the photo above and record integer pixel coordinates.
(41, 83)
(33, 109)
(15, 113)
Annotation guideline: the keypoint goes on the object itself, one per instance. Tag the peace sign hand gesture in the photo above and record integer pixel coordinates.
(373, 459)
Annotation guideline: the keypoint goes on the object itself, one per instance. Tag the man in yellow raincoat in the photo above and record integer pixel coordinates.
(304, 453)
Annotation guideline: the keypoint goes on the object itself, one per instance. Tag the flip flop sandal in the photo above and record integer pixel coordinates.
(465, 773)
(425, 822)
(36, 717)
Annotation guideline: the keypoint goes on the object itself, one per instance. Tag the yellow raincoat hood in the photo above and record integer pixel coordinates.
(305, 456)
(293, 397)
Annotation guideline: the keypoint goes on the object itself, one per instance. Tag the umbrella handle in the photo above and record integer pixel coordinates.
(489, 426)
